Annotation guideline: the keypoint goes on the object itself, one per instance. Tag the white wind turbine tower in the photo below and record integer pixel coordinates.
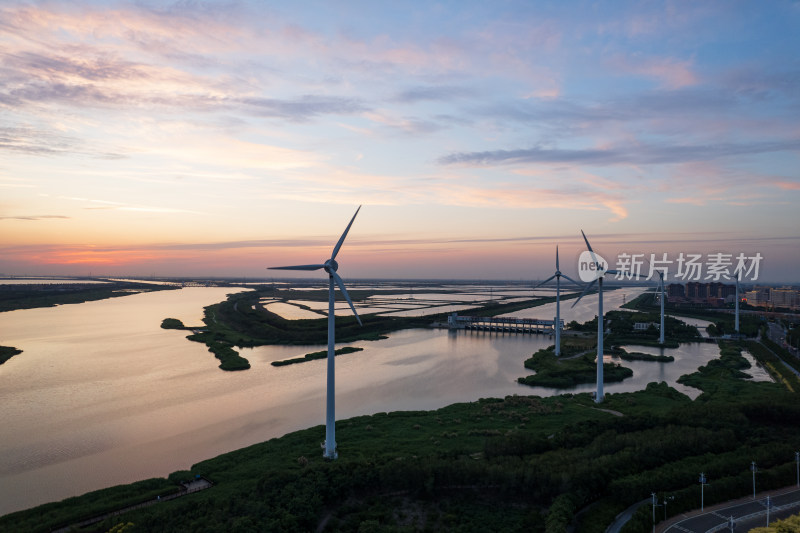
(599, 271)
(331, 266)
(660, 272)
(661, 329)
(736, 324)
(558, 275)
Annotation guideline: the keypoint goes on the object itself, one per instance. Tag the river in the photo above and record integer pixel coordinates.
(102, 395)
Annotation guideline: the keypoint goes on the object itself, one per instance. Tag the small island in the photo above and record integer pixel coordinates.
(564, 373)
(172, 323)
(640, 356)
(7, 352)
(316, 355)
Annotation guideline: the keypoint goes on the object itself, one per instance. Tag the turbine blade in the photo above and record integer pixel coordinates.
(298, 267)
(338, 279)
(572, 280)
(545, 281)
(594, 257)
(589, 286)
(557, 257)
(341, 239)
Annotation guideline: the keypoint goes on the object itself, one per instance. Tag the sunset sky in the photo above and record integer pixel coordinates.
(218, 138)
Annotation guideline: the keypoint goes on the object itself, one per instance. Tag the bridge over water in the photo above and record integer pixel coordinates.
(505, 324)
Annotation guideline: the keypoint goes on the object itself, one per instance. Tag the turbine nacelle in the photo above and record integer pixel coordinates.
(331, 266)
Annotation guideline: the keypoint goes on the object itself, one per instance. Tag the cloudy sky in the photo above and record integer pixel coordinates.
(218, 138)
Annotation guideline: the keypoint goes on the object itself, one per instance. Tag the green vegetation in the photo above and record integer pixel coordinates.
(13, 297)
(790, 525)
(72, 510)
(172, 323)
(774, 365)
(519, 463)
(564, 373)
(525, 463)
(781, 352)
(622, 324)
(322, 354)
(7, 352)
(640, 356)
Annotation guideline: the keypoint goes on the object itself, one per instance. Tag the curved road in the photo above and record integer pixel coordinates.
(746, 512)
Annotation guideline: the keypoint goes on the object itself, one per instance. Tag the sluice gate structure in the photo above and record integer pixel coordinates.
(503, 324)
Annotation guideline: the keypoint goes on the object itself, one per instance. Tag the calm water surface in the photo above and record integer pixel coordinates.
(102, 395)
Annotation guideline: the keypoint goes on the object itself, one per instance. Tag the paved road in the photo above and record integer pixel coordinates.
(625, 516)
(747, 513)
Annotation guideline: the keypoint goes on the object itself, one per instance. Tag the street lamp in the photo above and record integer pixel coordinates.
(754, 468)
(797, 464)
(655, 504)
(703, 483)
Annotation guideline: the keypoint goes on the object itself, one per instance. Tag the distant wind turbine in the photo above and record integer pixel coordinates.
(558, 275)
(736, 324)
(663, 297)
(660, 273)
(331, 266)
(599, 272)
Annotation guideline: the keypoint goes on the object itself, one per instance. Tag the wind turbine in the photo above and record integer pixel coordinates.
(660, 273)
(597, 271)
(331, 266)
(558, 275)
(661, 329)
(736, 324)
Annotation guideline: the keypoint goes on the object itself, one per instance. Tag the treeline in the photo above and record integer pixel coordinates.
(13, 297)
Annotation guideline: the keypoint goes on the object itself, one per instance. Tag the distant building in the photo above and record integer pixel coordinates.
(784, 297)
(643, 326)
(676, 290)
(696, 290)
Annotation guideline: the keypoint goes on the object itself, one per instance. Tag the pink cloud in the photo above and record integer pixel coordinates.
(671, 73)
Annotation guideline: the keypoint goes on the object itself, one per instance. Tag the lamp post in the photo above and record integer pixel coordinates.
(655, 504)
(754, 468)
(703, 483)
(768, 506)
(797, 466)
